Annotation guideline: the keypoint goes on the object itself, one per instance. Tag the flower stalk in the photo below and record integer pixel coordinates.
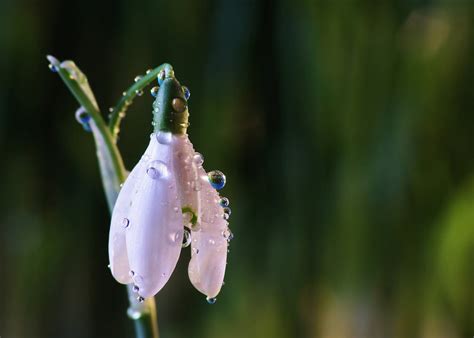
(111, 165)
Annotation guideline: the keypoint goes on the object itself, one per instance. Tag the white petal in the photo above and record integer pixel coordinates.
(154, 236)
(209, 245)
(117, 247)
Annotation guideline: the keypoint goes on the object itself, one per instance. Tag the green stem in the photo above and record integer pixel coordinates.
(118, 112)
(143, 314)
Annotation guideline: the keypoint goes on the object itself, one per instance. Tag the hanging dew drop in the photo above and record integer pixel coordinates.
(154, 91)
(186, 92)
(224, 202)
(137, 78)
(139, 92)
(148, 71)
(227, 212)
(211, 300)
(53, 68)
(217, 179)
(157, 170)
(186, 239)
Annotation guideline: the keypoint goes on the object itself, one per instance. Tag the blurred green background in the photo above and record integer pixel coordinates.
(345, 129)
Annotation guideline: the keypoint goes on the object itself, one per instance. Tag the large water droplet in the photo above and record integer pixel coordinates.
(186, 239)
(125, 222)
(179, 105)
(224, 202)
(137, 78)
(198, 159)
(154, 91)
(186, 92)
(164, 137)
(211, 300)
(157, 170)
(217, 179)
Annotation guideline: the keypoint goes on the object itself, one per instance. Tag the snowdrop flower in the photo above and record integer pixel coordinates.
(168, 198)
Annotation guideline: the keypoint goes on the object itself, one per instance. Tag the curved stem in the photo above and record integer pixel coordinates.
(110, 164)
(118, 112)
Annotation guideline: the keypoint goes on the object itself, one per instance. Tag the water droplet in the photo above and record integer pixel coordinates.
(136, 288)
(212, 242)
(211, 300)
(198, 159)
(195, 251)
(179, 105)
(186, 92)
(131, 273)
(186, 239)
(227, 234)
(175, 236)
(124, 93)
(139, 92)
(111, 109)
(161, 76)
(83, 118)
(154, 91)
(164, 137)
(148, 71)
(224, 202)
(125, 222)
(157, 169)
(140, 299)
(53, 68)
(227, 213)
(176, 209)
(217, 179)
(137, 78)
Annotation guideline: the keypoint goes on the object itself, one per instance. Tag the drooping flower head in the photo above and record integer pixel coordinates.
(169, 201)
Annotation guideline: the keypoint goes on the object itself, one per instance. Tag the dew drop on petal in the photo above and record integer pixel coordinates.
(164, 137)
(217, 179)
(139, 92)
(137, 78)
(154, 91)
(186, 239)
(198, 159)
(227, 212)
(131, 273)
(186, 92)
(140, 299)
(136, 288)
(224, 202)
(227, 234)
(148, 71)
(125, 222)
(157, 170)
(211, 300)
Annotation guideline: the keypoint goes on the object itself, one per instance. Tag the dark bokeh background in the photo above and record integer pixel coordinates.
(345, 129)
